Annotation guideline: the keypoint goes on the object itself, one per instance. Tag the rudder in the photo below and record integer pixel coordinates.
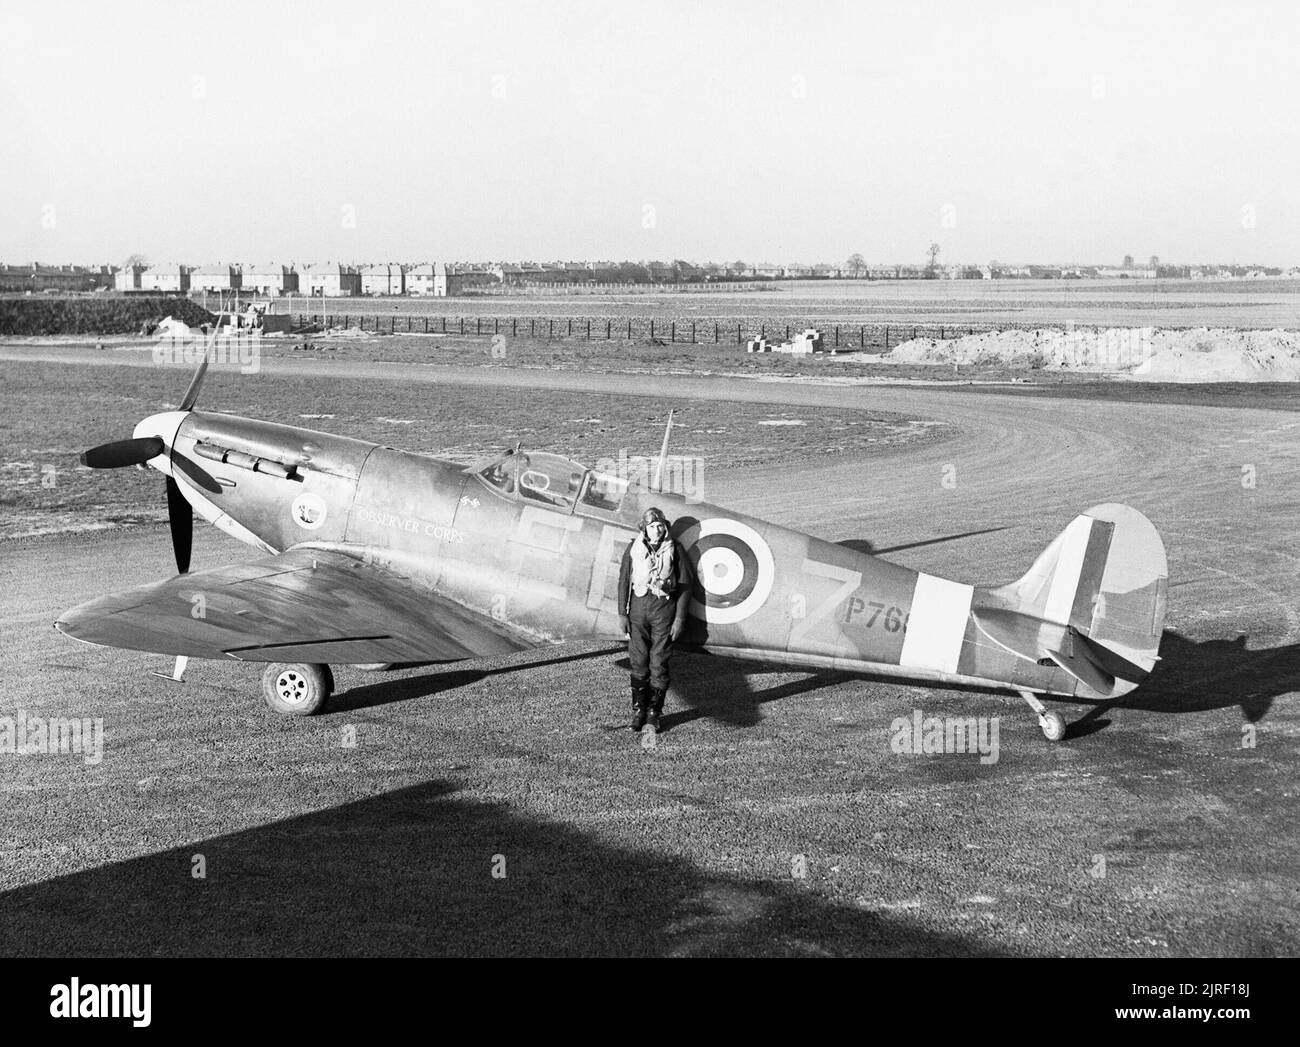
(1106, 577)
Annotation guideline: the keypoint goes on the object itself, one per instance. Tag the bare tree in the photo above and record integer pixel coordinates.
(932, 268)
(135, 259)
(856, 264)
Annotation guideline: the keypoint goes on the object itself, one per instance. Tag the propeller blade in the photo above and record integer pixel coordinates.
(181, 518)
(196, 383)
(122, 453)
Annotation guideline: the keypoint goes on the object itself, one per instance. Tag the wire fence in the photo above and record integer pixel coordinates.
(651, 330)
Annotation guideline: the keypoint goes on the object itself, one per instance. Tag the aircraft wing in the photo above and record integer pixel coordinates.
(305, 605)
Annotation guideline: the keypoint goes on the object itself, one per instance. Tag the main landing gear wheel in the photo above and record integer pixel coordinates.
(1053, 724)
(297, 689)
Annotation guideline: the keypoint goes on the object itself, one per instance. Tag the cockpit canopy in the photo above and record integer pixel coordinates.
(554, 480)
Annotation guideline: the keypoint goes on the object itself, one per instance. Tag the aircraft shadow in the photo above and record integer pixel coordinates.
(448, 676)
(1202, 675)
(1192, 676)
(409, 873)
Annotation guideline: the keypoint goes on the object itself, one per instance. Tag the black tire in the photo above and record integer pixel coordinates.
(297, 688)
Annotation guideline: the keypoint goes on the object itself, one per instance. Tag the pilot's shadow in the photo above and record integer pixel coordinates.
(719, 687)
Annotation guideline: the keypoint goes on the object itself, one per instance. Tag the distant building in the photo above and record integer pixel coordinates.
(216, 278)
(268, 279)
(128, 278)
(454, 279)
(329, 280)
(419, 278)
(382, 278)
(38, 277)
(167, 278)
(508, 272)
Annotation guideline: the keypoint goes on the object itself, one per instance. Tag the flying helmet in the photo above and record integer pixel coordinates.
(653, 515)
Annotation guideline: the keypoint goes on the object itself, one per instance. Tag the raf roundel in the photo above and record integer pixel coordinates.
(734, 567)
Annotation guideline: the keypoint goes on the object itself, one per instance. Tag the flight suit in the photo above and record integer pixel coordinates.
(651, 620)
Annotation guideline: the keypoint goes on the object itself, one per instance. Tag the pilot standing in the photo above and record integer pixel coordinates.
(653, 595)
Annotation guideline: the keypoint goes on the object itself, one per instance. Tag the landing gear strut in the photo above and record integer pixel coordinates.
(1053, 724)
(298, 688)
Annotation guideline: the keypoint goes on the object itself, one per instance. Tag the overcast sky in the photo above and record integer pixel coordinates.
(733, 129)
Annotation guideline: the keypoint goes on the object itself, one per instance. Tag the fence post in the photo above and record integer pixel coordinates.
(478, 325)
(673, 329)
(550, 328)
(886, 337)
(941, 332)
(715, 334)
(531, 327)
(496, 325)
(862, 337)
(692, 332)
(514, 326)
(787, 332)
(608, 326)
(740, 337)
(652, 328)
(837, 336)
(408, 323)
(629, 330)
(462, 325)
(392, 324)
(913, 334)
(589, 330)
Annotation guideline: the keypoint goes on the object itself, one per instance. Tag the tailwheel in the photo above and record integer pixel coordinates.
(297, 688)
(1053, 724)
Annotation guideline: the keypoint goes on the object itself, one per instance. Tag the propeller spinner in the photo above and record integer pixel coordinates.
(152, 440)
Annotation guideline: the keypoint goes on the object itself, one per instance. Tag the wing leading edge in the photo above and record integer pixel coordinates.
(307, 604)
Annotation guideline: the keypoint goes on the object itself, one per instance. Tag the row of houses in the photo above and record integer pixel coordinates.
(329, 280)
(38, 277)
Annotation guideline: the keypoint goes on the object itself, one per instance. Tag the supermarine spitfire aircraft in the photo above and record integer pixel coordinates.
(376, 557)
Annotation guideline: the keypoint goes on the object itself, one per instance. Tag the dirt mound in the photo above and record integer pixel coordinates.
(1139, 353)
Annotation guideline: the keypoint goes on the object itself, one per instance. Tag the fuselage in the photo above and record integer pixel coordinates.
(534, 540)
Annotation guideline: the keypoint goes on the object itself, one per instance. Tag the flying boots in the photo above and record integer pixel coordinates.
(656, 708)
(640, 703)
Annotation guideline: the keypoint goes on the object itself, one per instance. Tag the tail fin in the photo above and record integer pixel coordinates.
(1104, 579)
